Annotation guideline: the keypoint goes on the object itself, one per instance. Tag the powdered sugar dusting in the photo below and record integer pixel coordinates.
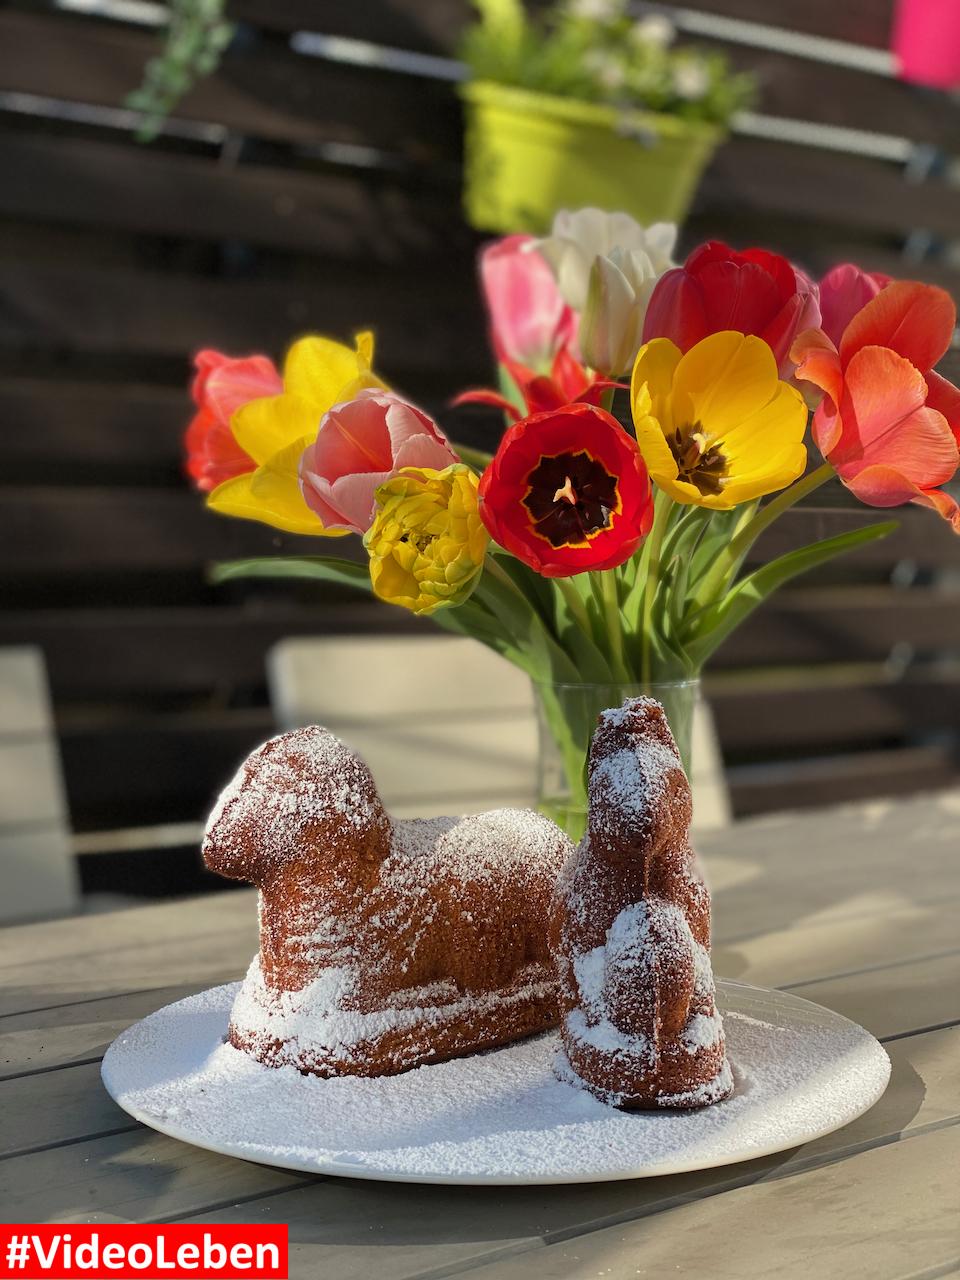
(500, 1117)
(319, 1021)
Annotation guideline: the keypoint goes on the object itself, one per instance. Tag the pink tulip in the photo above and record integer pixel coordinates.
(843, 292)
(359, 445)
(529, 320)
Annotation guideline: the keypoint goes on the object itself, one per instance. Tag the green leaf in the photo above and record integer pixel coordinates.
(715, 623)
(477, 459)
(322, 568)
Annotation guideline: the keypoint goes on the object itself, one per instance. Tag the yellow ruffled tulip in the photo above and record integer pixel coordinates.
(716, 426)
(427, 543)
(274, 430)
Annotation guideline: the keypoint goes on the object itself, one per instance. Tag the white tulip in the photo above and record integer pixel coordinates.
(578, 238)
(611, 327)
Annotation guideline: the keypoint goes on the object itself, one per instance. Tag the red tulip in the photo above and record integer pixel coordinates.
(888, 424)
(529, 320)
(843, 292)
(567, 383)
(717, 288)
(221, 386)
(567, 491)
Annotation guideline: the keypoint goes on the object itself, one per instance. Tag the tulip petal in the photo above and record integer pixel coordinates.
(945, 398)
(234, 383)
(943, 504)
(271, 495)
(886, 424)
(676, 308)
(723, 380)
(818, 362)
(651, 384)
(266, 426)
(886, 487)
(318, 370)
(914, 320)
(778, 425)
(493, 398)
(843, 292)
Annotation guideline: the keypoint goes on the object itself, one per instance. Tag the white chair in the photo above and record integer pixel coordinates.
(446, 725)
(38, 875)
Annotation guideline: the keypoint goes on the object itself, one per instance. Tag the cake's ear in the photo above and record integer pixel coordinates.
(639, 797)
(300, 796)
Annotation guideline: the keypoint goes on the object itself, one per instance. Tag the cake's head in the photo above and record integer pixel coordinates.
(639, 793)
(302, 797)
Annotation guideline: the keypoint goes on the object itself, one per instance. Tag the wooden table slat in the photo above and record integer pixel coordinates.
(883, 1213)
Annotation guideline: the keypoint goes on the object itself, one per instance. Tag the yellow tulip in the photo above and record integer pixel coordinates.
(274, 430)
(427, 543)
(716, 426)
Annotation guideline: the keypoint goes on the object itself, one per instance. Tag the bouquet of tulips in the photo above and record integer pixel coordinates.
(591, 554)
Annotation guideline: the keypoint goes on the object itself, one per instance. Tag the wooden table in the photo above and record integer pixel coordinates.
(855, 908)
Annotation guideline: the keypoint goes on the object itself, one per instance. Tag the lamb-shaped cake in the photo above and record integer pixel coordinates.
(383, 944)
(631, 928)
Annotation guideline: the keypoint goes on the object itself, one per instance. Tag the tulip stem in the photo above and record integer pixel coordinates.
(655, 547)
(501, 575)
(575, 604)
(611, 608)
(728, 563)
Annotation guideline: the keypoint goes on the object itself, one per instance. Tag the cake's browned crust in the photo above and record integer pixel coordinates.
(383, 945)
(631, 929)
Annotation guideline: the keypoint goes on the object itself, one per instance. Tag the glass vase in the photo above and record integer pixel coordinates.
(567, 716)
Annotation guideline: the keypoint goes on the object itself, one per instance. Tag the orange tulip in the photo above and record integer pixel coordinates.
(887, 423)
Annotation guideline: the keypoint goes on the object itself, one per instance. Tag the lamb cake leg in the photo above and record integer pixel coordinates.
(631, 930)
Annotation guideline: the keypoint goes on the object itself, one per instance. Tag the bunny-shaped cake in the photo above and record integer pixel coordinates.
(383, 944)
(631, 930)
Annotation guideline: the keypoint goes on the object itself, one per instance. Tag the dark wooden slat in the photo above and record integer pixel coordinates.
(149, 651)
(865, 22)
(801, 89)
(794, 87)
(796, 181)
(68, 180)
(63, 530)
(434, 25)
(804, 784)
(262, 92)
(88, 62)
(843, 624)
(80, 308)
(109, 529)
(182, 650)
(154, 769)
(756, 716)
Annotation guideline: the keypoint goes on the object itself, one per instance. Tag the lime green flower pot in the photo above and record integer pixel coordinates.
(529, 154)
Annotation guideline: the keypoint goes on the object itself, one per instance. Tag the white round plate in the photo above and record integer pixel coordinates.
(497, 1117)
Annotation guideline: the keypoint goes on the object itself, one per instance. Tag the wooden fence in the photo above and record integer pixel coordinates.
(313, 184)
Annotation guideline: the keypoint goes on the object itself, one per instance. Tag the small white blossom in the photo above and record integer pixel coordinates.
(655, 29)
(596, 10)
(608, 69)
(690, 80)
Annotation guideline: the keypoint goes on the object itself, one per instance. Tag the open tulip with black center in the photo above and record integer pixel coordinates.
(567, 491)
